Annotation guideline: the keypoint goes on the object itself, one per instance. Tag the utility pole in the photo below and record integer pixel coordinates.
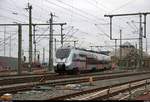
(4, 40)
(146, 44)
(62, 34)
(140, 31)
(43, 55)
(140, 43)
(22, 54)
(10, 46)
(145, 25)
(19, 48)
(120, 48)
(120, 44)
(34, 42)
(136, 51)
(30, 37)
(51, 43)
(111, 27)
(145, 31)
(55, 46)
(115, 47)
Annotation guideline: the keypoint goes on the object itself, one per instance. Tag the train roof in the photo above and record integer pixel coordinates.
(82, 49)
(98, 52)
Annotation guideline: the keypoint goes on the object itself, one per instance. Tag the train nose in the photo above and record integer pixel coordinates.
(61, 67)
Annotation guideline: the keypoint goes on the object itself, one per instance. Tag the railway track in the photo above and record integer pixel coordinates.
(46, 76)
(106, 92)
(24, 74)
(28, 86)
(12, 73)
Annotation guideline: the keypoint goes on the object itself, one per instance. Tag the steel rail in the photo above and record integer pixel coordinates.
(33, 78)
(27, 86)
(104, 96)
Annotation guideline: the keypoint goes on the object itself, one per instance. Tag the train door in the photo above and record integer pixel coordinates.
(82, 62)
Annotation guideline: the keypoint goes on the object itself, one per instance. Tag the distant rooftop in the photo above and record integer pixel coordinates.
(127, 45)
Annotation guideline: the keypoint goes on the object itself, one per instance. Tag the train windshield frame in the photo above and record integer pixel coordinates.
(62, 53)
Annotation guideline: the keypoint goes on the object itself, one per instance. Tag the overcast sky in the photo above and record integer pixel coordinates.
(85, 21)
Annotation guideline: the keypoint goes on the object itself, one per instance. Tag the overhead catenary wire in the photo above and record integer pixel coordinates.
(9, 18)
(129, 2)
(72, 34)
(131, 26)
(75, 14)
(80, 10)
(81, 15)
(94, 3)
(16, 12)
(102, 31)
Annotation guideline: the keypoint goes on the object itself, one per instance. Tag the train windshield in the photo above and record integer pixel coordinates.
(62, 53)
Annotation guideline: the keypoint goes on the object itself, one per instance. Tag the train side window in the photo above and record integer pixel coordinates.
(81, 55)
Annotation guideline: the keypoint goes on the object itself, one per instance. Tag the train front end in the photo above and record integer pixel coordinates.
(62, 60)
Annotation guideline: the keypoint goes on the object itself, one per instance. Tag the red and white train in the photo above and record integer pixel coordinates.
(75, 60)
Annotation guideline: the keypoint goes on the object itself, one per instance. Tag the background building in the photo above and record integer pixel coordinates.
(127, 56)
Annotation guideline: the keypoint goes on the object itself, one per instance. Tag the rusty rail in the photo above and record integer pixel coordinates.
(28, 86)
(107, 88)
(46, 76)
